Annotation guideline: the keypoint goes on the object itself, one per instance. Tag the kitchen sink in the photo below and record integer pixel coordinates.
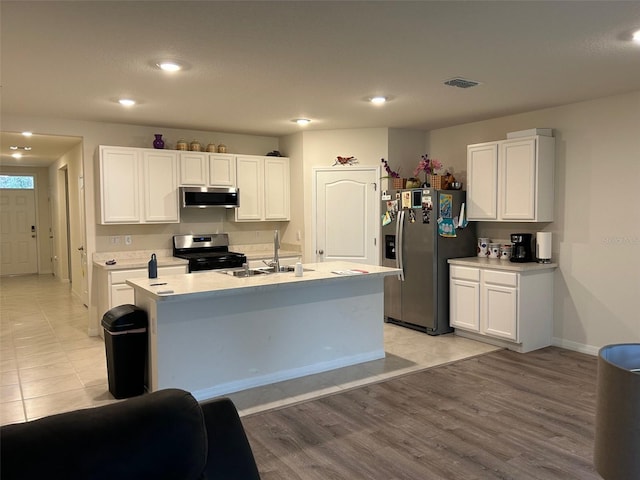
(252, 272)
(285, 268)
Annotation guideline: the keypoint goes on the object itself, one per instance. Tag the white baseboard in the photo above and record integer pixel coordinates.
(575, 346)
(231, 387)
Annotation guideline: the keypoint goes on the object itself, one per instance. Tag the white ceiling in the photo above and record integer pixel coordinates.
(255, 66)
(45, 149)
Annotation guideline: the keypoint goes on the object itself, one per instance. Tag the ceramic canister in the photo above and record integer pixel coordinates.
(494, 250)
(505, 251)
(483, 247)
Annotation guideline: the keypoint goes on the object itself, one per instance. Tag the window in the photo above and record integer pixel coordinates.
(17, 182)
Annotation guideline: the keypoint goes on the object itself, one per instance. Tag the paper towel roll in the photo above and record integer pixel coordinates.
(543, 247)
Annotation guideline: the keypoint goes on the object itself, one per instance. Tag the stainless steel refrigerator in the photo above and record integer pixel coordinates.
(420, 231)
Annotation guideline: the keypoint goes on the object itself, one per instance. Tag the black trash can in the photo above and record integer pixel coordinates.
(125, 339)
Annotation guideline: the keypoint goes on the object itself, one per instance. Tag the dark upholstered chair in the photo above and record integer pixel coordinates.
(162, 435)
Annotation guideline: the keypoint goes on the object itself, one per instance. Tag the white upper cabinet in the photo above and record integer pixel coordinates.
(276, 188)
(222, 170)
(482, 181)
(511, 180)
(138, 185)
(119, 185)
(160, 186)
(250, 172)
(203, 169)
(264, 188)
(194, 169)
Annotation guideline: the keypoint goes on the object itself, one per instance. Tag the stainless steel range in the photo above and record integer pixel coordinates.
(207, 252)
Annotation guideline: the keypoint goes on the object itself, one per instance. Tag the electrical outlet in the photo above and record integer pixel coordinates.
(127, 239)
(115, 240)
(299, 235)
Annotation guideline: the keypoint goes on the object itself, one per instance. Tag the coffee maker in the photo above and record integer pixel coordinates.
(521, 251)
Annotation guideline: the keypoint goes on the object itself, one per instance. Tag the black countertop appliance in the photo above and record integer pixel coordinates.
(521, 251)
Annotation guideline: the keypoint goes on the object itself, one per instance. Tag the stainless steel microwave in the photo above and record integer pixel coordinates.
(210, 197)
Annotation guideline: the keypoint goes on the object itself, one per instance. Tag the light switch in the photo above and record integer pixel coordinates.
(127, 239)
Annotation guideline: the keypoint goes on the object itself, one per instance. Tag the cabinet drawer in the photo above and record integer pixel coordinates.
(508, 279)
(175, 270)
(122, 276)
(465, 273)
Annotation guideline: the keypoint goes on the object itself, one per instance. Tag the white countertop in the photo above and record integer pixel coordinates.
(126, 262)
(497, 264)
(215, 283)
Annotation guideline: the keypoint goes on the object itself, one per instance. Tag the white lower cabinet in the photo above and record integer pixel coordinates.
(119, 293)
(499, 304)
(505, 308)
(464, 294)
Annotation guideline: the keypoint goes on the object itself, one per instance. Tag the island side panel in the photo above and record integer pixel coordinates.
(218, 345)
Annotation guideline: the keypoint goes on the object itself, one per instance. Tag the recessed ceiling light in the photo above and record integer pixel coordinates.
(126, 102)
(636, 36)
(169, 66)
(302, 121)
(26, 149)
(16, 155)
(13, 147)
(378, 100)
(27, 134)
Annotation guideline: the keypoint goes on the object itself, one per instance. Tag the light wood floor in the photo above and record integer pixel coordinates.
(502, 415)
(48, 363)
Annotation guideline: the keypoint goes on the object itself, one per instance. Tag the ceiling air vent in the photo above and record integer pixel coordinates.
(461, 83)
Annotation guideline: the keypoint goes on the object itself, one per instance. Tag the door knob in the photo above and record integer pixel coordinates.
(81, 249)
(320, 252)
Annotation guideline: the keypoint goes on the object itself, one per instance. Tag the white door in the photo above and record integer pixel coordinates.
(347, 214)
(18, 238)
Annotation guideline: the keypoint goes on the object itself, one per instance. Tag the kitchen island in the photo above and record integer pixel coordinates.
(212, 333)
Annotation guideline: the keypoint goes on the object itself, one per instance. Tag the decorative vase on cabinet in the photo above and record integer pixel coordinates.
(158, 142)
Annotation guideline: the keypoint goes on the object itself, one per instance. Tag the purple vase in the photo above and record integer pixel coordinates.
(158, 142)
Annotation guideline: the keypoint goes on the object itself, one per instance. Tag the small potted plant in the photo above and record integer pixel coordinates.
(429, 166)
(396, 181)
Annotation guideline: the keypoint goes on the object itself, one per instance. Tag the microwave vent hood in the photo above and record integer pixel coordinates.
(209, 197)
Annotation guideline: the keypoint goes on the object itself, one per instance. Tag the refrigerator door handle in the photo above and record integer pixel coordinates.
(399, 244)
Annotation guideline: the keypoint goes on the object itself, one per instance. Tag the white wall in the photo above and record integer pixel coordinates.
(596, 230)
(320, 149)
(406, 148)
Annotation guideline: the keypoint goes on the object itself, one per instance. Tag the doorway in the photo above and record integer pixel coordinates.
(18, 233)
(346, 214)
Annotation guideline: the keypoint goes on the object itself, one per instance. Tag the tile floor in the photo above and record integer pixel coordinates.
(48, 363)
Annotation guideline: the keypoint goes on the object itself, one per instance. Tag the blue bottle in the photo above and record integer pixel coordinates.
(153, 266)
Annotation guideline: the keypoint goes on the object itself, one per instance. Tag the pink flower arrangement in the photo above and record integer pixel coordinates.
(428, 165)
(390, 173)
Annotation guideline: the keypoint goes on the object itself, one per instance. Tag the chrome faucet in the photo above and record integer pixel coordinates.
(275, 263)
(276, 249)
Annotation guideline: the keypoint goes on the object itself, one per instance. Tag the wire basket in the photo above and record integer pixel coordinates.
(435, 181)
(398, 183)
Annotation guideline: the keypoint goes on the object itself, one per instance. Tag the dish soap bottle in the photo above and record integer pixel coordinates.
(153, 266)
